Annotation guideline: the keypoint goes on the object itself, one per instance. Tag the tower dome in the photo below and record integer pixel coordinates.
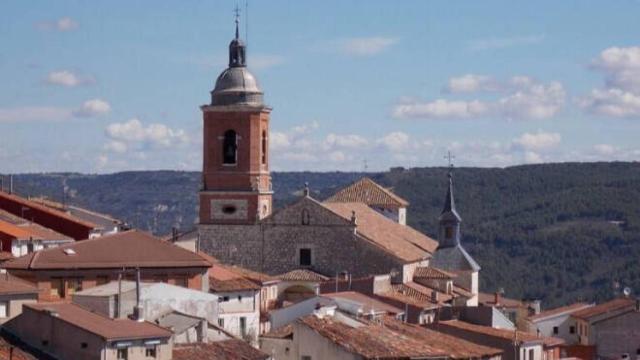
(236, 85)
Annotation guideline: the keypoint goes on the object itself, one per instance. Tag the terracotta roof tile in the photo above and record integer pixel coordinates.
(224, 279)
(368, 192)
(402, 241)
(257, 277)
(604, 308)
(489, 331)
(17, 354)
(126, 249)
(10, 284)
(219, 350)
(282, 332)
(487, 299)
(45, 209)
(566, 310)
(430, 272)
(370, 340)
(302, 275)
(409, 295)
(455, 348)
(107, 328)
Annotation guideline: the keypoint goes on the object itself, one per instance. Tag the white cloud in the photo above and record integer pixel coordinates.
(621, 67)
(34, 113)
(93, 107)
(63, 24)
(66, 78)
(538, 141)
(605, 149)
(471, 83)
(135, 133)
(504, 42)
(278, 140)
(346, 141)
(531, 157)
(537, 101)
(366, 46)
(337, 156)
(441, 109)
(612, 102)
(395, 141)
(527, 100)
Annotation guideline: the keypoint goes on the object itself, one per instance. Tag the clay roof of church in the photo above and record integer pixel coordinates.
(128, 249)
(400, 240)
(303, 275)
(430, 272)
(367, 191)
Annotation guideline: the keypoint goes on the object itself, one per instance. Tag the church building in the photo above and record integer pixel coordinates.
(359, 231)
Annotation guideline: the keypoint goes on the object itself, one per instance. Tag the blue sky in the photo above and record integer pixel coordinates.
(111, 86)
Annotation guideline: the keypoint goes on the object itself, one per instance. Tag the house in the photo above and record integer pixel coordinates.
(68, 331)
(368, 192)
(105, 224)
(363, 305)
(42, 215)
(222, 350)
(517, 311)
(60, 272)
(239, 302)
(330, 334)
(516, 345)
(299, 284)
(14, 292)
(613, 327)
(557, 322)
(156, 300)
(24, 238)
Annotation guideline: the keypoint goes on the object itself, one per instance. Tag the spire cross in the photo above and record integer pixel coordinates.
(236, 11)
(449, 157)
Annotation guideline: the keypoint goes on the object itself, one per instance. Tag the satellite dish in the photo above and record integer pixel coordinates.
(626, 291)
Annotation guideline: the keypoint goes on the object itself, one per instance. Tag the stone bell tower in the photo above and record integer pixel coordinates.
(236, 183)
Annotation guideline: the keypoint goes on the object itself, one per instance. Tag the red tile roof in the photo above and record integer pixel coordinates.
(368, 303)
(408, 295)
(370, 340)
(5, 255)
(565, 310)
(10, 285)
(224, 279)
(282, 332)
(487, 299)
(219, 350)
(302, 275)
(497, 333)
(126, 249)
(604, 308)
(17, 354)
(368, 192)
(456, 348)
(400, 240)
(42, 208)
(430, 272)
(254, 276)
(107, 328)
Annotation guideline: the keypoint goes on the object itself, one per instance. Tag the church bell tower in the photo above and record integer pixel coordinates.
(236, 183)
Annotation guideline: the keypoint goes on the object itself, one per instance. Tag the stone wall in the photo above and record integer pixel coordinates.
(273, 246)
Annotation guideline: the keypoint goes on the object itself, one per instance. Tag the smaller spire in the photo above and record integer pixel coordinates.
(306, 189)
(449, 201)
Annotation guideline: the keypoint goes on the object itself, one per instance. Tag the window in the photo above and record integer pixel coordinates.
(264, 147)
(182, 281)
(230, 148)
(74, 285)
(150, 351)
(83, 345)
(229, 209)
(123, 354)
(221, 322)
(305, 257)
(448, 232)
(29, 248)
(225, 298)
(4, 309)
(305, 357)
(239, 297)
(57, 288)
(102, 279)
(555, 330)
(243, 325)
(531, 354)
(572, 329)
(45, 342)
(306, 218)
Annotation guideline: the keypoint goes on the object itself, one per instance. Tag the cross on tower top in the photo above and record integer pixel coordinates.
(236, 11)
(449, 157)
